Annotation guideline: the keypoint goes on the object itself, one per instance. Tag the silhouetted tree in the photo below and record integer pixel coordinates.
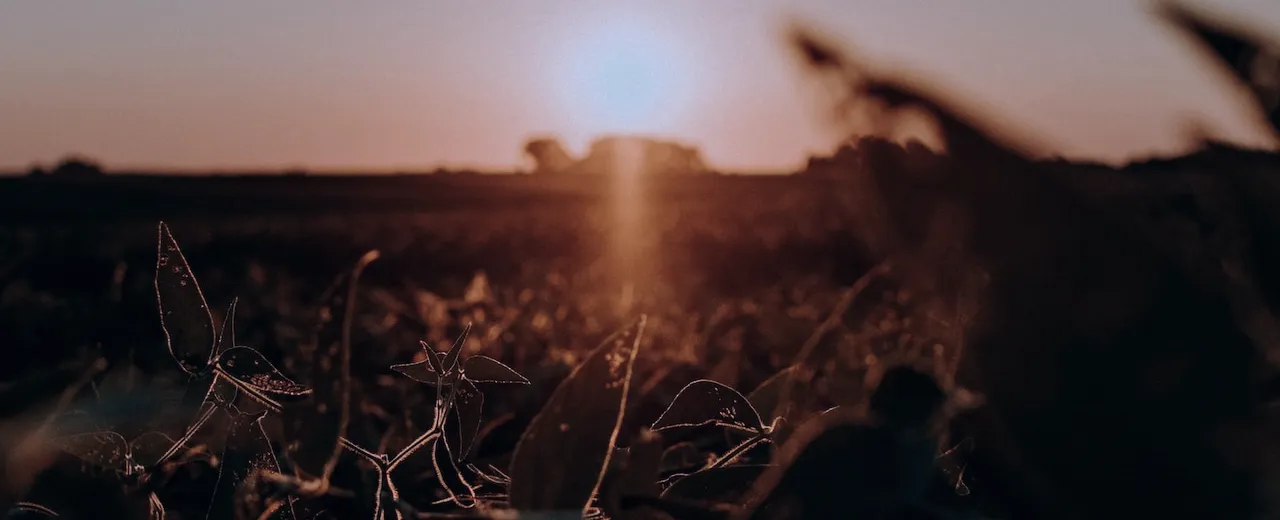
(656, 157)
(77, 166)
(549, 155)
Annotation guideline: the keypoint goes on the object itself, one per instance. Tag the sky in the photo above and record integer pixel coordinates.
(415, 84)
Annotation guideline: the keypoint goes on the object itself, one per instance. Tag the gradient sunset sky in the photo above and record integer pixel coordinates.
(411, 84)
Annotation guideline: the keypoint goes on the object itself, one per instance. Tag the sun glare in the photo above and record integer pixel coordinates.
(624, 76)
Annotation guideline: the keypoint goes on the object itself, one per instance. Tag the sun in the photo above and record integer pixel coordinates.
(624, 76)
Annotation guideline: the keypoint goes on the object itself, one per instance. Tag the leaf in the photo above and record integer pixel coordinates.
(561, 458)
(484, 369)
(317, 425)
(254, 375)
(184, 315)
(426, 371)
(30, 510)
(468, 404)
(247, 452)
(728, 484)
(227, 338)
(634, 474)
(421, 371)
(450, 361)
(705, 402)
(108, 450)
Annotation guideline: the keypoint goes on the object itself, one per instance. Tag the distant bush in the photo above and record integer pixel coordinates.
(77, 166)
(549, 156)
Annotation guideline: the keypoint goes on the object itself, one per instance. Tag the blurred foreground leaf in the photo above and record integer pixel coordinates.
(561, 458)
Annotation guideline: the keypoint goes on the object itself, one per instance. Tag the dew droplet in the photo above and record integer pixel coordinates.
(564, 427)
(164, 260)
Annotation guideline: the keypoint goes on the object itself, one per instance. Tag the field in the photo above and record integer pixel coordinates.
(740, 272)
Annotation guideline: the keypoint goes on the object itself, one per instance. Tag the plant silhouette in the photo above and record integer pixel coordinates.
(456, 396)
(227, 377)
(455, 381)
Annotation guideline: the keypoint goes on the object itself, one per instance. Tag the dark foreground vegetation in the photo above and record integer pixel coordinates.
(969, 335)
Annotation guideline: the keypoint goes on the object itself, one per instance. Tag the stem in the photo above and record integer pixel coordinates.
(191, 432)
(371, 456)
(417, 444)
(738, 450)
(378, 513)
(437, 426)
(384, 482)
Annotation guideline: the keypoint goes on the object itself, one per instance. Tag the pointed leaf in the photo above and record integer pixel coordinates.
(106, 449)
(184, 315)
(468, 404)
(254, 375)
(576, 430)
(705, 402)
(451, 479)
(246, 453)
(227, 338)
(317, 425)
(450, 361)
(420, 371)
(434, 361)
(484, 369)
